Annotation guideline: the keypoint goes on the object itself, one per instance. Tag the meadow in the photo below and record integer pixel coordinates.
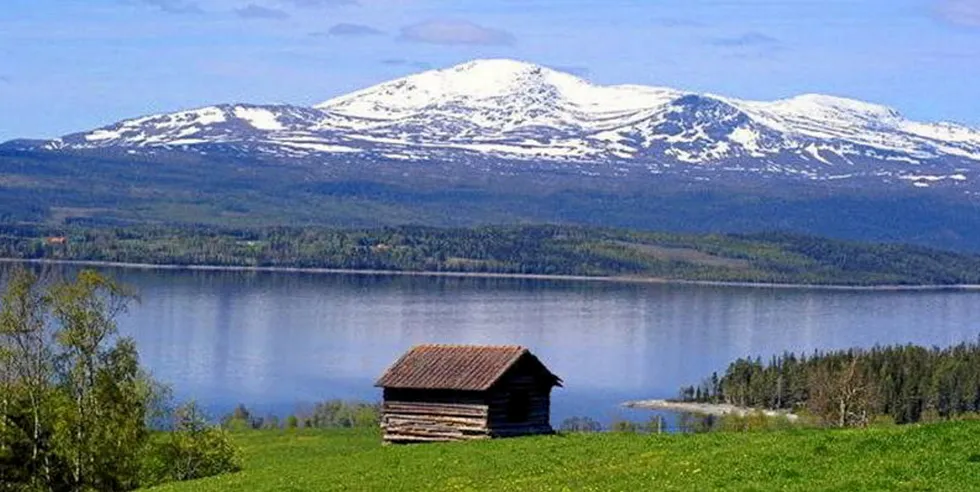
(936, 456)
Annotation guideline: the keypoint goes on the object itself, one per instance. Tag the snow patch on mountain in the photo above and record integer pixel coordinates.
(520, 111)
(259, 118)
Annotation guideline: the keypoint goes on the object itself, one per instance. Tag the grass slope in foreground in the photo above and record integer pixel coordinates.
(942, 456)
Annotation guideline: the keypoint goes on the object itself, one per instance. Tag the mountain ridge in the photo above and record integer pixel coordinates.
(504, 110)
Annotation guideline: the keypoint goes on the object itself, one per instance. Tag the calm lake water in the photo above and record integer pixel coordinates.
(277, 341)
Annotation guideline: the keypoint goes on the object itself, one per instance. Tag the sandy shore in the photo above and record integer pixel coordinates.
(518, 276)
(720, 409)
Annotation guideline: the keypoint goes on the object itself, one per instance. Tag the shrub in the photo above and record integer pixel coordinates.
(656, 425)
(579, 424)
(193, 449)
(342, 414)
(240, 419)
(623, 425)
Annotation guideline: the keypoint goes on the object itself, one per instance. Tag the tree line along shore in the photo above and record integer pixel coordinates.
(546, 251)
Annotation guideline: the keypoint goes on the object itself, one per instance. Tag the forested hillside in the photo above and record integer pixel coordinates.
(218, 190)
(853, 387)
(541, 250)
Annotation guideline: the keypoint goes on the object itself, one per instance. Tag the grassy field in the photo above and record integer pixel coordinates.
(921, 457)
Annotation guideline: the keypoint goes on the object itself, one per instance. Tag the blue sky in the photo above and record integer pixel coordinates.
(68, 65)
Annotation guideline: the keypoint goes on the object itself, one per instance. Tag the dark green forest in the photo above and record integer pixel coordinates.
(540, 250)
(119, 189)
(853, 387)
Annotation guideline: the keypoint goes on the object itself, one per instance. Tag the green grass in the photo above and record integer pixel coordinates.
(942, 456)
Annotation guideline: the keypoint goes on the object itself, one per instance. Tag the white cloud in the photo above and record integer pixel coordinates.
(322, 3)
(252, 11)
(455, 32)
(962, 12)
(346, 29)
(175, 6)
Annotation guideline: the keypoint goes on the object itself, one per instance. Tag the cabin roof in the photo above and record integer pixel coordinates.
(455, 367)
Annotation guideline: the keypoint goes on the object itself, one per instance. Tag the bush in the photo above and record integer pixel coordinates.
(341, 414)
(579, 424)
(696, 424)
(656, 425)
(240, 419)
(626, 426)
(193, 449)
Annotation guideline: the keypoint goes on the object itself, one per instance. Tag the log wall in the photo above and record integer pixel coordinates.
(535, 408)
(519, 404)
(424, 416)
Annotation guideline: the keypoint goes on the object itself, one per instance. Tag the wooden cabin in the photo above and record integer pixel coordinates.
(462, 392)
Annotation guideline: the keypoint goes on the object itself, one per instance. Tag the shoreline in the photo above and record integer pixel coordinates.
(489, 275)
(716, 409)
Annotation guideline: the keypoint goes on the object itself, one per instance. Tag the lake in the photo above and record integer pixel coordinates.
(279, 341)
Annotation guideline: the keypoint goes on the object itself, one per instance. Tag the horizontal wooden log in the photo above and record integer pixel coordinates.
(433, 424)
(442, 435)
(424, 431)
(426, 404)
(433, 415)
(440, 418)
(456, 428)
(432, 432)
(464, 410)
(426, 419)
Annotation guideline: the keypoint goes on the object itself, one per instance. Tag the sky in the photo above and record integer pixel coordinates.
(72, 65)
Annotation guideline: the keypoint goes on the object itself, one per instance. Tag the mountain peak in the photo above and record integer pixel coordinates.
(475, 80)
(499, 64)
(503, 107)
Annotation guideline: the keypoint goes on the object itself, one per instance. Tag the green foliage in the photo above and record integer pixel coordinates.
(538, 250)
(240, 419)
(331, 414)
(75, 399)
(854, 387)
(192, 449)
(342, 414)
(939, 456)
(756, 422)
(75, 405)
(691, 423)
(580, 424)
(625, 426)
(103, 394)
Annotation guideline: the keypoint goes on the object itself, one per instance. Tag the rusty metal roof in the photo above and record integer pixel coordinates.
(454, 367)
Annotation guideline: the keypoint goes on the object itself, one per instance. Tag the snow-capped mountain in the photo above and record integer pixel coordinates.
(515, 111)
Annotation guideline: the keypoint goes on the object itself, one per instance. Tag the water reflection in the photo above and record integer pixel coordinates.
(274, 341)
